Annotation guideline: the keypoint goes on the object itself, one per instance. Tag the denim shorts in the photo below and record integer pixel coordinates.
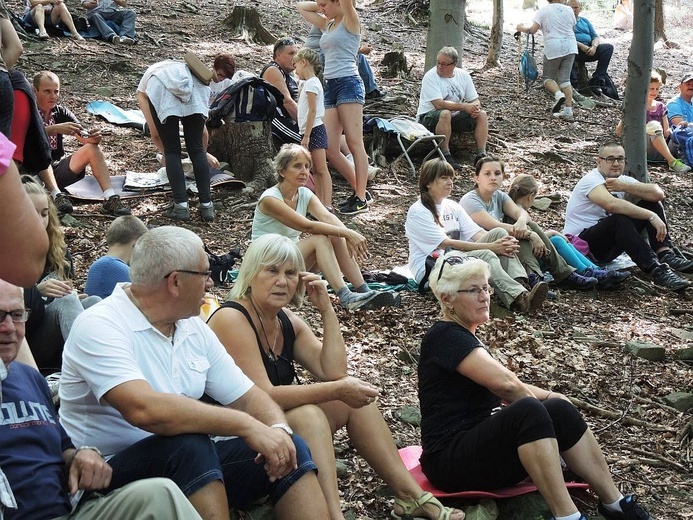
(348, 89)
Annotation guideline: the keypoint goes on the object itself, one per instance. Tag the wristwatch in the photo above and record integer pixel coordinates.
(92, 448)
(283, 426)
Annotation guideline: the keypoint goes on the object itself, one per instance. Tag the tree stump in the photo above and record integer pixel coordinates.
(395, 63)
(248, 149)
(245, 22)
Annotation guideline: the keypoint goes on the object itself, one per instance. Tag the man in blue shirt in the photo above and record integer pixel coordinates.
(680, 113)
(589, 49)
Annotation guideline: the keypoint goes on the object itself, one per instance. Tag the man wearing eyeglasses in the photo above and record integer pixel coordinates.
(449, 103)
(598, 213)
(39, 466)
(134, 369)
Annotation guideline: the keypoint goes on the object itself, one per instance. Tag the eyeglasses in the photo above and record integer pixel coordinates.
(611, 159)
(452, 260)
(17, 315)
(476, 291)
(441, 64)
(206, 273)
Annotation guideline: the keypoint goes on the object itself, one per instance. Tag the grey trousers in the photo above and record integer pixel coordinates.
(557, 266)
(504, 269)
(149, 499)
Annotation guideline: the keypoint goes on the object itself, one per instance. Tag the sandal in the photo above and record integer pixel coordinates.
(410, 506)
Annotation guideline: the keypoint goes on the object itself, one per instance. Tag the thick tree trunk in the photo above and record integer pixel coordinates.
(248, 149)
(245, 22)
(445, 28)
(635, 97)
(496, 39)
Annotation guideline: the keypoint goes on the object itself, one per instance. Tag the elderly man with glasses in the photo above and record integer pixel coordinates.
(134, 370)
(449, 102)
(598, 213)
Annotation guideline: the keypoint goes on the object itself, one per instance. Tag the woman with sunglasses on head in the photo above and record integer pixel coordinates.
(266, 338)
(436, 223)
(484, 429)
(490, 208)
(344, 90)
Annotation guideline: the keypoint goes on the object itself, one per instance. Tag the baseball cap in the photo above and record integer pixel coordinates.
(687, 77)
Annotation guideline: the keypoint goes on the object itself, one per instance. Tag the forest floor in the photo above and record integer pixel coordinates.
(574, 345)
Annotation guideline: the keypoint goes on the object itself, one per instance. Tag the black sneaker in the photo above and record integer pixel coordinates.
(478, 157)
(62, 203)
(631, 510)
(375, 94)
(664, 276)
(676, 262)
(452, 162)
(115, 206)
(176, 212)
(354, 206)
(579, 282)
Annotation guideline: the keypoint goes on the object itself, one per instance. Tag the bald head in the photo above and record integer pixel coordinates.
(11, 333)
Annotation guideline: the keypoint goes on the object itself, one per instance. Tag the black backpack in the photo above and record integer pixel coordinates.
(222, 264)
(249, 99)
(605, 83)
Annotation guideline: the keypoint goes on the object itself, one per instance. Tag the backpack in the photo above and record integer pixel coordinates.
(605, 83)
(528, 65)
(248, 99)
(682, 137)
(221, 265)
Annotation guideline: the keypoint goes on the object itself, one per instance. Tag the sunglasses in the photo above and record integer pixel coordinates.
(451, 260)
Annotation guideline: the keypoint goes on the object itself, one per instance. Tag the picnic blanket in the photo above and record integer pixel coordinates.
(116, 115)
(410, 456)
(88, 189)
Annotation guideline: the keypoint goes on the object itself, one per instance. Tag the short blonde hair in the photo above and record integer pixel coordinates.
(454, 274)
(268, 250)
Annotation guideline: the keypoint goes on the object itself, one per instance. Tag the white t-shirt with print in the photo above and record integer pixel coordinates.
(458, 89)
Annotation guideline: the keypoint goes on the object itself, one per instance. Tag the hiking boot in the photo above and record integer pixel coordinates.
(126, 40)
(115, 206)
(177, 212)
(538, 295)
(579, 282)
(521, 303)
(679, 166)
(631, 510)
(478, 157)
(560, 99)
(115, 39)
(676, 262)
(63, 204)
(207, 212)
(353, 206)
(534, 279)
(664, 276)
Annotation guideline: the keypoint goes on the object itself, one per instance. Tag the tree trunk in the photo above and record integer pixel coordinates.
(659, 33)
(245, 22)
(635, 97)
(496, 39)
(248, 149)
(445, 28)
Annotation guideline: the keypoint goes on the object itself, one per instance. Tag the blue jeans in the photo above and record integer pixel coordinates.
(348, 89)
(125, 18)
(366, 74)
(602, 56)
(193, 460)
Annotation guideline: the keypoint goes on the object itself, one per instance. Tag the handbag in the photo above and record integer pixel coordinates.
(528, 65)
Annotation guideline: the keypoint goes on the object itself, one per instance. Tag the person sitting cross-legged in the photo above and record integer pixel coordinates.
(267, 338)
(113, 267)
(449, 103)
(99, 12)
(598, 213)
(134, 369)
(40, 469)
(66, 170)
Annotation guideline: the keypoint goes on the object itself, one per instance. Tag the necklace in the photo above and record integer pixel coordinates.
(172, 326)
(271, 347)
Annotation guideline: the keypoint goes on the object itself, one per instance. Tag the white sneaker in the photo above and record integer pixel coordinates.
(566, 113)
(560, 99)
(373, 171)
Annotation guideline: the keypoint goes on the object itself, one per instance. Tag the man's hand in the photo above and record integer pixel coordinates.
(88, 470)
(356, 393)
(93, 136)
(660, 227)
(591, 50)
(538, 247)
(615, 185)
(365, 49)
(275, 449)
(67, 128)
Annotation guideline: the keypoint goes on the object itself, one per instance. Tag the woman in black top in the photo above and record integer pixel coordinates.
(265, 339)
(482, 428)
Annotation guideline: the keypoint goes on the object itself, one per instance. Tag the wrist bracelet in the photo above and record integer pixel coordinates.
(547, 397)
(92, 448)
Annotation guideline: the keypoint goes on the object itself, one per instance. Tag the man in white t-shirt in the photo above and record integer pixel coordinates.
(449, 103)
(134, 370)
(598, 213)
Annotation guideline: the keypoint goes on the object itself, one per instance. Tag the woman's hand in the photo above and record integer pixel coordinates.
(356, 244)
(356, 393)
(506, 246)
(54, 288)
(538, 247)
(316, 289)
(520, 231)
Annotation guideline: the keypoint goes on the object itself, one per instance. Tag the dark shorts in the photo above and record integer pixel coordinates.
(64, 176)
(461, 122)
(318, 138)
(348, 89)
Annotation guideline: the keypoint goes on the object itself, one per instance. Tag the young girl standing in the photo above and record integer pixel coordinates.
(657, 128)
(311, 109)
